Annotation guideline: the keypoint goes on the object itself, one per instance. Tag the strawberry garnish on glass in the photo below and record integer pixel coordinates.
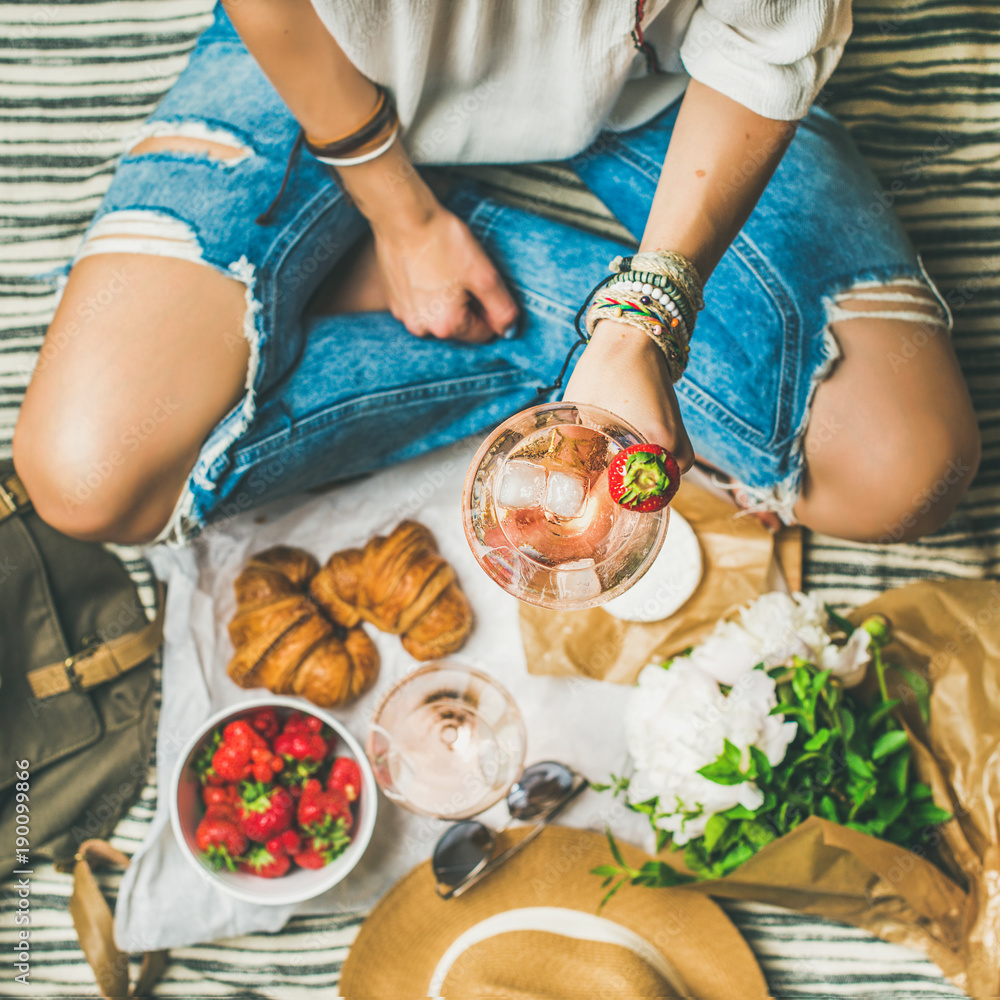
(643, 478)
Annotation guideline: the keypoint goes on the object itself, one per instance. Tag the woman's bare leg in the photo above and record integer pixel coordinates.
(144, 356)
(892, 443)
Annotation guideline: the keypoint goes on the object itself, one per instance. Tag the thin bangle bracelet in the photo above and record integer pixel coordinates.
(353, 161)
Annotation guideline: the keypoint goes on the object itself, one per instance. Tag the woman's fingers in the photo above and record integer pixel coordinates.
(499, 311)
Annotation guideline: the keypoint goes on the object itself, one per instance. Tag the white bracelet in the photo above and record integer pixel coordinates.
(353, 161)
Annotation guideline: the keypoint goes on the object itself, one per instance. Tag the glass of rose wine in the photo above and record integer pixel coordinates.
(446, 741)
(538, 511)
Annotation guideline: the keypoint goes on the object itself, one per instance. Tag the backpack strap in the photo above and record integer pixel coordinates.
(94, 925)
(101, 663)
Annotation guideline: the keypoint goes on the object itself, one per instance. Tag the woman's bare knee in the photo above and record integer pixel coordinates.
(125, 395)
(892, 444)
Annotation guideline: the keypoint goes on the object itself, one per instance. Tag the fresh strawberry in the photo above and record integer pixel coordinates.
(216, 794)
(265, 721)
(302, 746)
(266, 863)
(266, 812)
(289, 842)
(220, 838)
(232, 758)
(265, 763)
(644, 477)
(345, 776)
(320, 811)
(300, 722)
(318, 851)
(232, 763)
(240, 733)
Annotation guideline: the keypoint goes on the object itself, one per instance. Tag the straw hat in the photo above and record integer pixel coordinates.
(531, 930)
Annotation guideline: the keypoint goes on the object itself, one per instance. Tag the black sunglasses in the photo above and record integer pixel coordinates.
(464, 854)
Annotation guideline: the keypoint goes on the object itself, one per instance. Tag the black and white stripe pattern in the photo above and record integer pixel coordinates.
(918, 88)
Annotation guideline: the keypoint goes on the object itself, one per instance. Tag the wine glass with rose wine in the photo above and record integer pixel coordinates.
(543, 515)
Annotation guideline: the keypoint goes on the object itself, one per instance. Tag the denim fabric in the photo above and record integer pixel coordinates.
(337, 396)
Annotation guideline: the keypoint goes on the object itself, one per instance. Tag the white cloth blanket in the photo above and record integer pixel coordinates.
(163, 902)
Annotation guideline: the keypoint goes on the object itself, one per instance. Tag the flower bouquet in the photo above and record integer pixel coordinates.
(801, 758)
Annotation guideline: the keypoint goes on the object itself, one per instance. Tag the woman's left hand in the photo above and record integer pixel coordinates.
(623, 371)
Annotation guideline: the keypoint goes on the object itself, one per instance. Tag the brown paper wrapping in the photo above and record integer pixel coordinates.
(943, 897)
(736, 553)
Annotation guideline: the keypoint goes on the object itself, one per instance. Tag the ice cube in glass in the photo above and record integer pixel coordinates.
(565, 494)
(577, 580)
(521, 484)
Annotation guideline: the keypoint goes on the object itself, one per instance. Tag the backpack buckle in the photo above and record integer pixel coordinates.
(7, 498)
(69, 666)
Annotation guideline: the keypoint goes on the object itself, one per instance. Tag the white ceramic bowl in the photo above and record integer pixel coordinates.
(299, 884)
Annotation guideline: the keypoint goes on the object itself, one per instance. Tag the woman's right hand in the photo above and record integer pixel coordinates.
(438, 280)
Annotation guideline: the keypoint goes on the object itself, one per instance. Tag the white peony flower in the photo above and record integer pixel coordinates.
(677, 721)
(772, 630)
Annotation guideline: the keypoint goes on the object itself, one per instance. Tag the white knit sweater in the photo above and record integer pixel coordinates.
(507, 81)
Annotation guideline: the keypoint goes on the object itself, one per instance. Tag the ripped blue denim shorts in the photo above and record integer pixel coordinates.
(332, 397)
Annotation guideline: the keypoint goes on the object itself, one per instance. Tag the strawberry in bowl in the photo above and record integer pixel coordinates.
(274, 802)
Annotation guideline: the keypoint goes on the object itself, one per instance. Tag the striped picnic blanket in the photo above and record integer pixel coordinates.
(918, 88)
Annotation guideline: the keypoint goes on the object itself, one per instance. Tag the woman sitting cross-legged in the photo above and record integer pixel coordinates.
(189, 371)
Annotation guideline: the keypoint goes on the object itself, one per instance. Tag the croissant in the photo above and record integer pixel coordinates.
(400, 584)
(288, 643)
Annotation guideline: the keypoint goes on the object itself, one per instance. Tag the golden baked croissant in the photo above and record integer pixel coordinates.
(401, 584)
(287, 643)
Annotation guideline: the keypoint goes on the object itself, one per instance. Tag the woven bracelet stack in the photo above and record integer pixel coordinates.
(658, 292)
(370, 139)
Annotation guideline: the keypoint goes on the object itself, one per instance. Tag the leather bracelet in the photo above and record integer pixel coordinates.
(370, 139)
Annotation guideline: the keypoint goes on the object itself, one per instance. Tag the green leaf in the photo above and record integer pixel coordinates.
(714, 829)
(828, 809)
(661, 875)
(889, 743)
(758, 834)
(801, 683)
(819, 682)
(609, 894)
(734, 858)
(897, 771)
(662, 839)
(606, 870)
(881, 711)
(761, 766)
(928, 814)
(615, 852)
(818, 741)
(920, 688)
(732, 754)
(740, 812)
(839, 621)
(857, 766)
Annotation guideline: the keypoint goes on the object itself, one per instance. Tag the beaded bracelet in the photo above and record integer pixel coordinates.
(674, 266)
(368, 141)
(667, 332)
(657, 287)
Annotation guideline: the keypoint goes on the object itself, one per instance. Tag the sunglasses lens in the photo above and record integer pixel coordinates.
(462, 848)
(540, 787)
